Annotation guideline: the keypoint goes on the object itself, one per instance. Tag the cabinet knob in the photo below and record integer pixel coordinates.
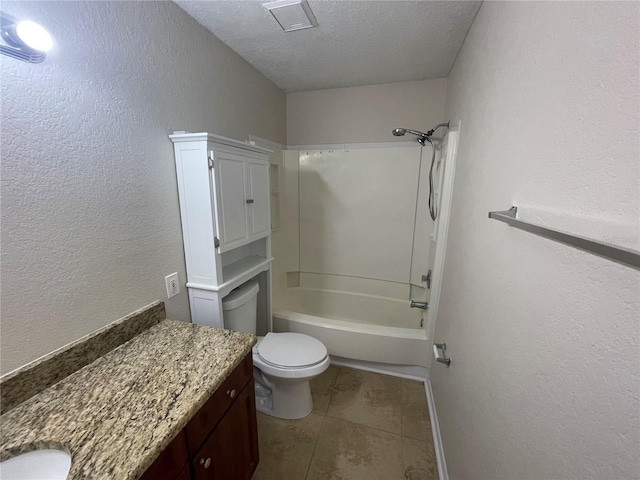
(231, 393)
(206, 463)
(250, 200)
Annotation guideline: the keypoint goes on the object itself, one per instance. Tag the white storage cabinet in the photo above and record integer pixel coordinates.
(223, 188)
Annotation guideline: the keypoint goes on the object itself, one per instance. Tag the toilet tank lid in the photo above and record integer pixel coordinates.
(241, 295)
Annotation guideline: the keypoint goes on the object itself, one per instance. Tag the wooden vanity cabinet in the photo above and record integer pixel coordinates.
(231, 451)
(171, 462)
(220, 442)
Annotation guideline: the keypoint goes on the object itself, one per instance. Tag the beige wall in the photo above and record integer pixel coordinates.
(90, 219)
(544, 382)
(364, 114)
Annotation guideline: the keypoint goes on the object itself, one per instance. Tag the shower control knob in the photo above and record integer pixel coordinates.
(421, 305)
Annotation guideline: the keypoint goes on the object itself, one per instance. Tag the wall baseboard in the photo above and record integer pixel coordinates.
(435, 430)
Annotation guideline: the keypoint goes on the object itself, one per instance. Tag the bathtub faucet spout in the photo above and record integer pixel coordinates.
(422, 305)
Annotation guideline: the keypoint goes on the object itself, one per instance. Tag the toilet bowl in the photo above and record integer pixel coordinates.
(284, 363)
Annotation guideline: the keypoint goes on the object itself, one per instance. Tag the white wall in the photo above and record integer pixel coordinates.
(364, 114)
(544, 382)
(90, 220)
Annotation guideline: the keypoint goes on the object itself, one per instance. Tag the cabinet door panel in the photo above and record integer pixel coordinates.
(170, 462)
(202, 423)
(185, 474)
(231, 451)
(260, 218)
(230, 200)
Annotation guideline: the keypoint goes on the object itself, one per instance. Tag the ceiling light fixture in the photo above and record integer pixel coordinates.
(24, 40)
(292, 15)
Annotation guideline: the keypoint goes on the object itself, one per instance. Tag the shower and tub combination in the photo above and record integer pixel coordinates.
(364, 221)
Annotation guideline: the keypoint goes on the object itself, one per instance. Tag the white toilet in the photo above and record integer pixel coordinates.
(284, 363)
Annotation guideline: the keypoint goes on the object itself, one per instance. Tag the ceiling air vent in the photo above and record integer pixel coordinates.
(292, 14)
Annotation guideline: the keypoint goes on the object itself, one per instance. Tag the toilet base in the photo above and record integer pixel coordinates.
(290, 400)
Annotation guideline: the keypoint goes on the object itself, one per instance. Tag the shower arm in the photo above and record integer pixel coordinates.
(417, 133)
(432, 131)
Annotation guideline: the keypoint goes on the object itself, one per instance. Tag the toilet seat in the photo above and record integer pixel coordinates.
(291, 350)
(290, 355)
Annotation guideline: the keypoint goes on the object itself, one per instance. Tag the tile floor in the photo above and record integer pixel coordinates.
(364, 426)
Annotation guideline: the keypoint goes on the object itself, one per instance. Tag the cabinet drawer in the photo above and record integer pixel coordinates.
(212, 411)
(170, 462)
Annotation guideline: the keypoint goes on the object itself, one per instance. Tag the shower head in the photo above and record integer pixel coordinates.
(422, 136)
(400, 132)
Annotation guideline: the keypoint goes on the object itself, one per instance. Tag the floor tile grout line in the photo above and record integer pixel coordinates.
(314, 448)
(362, 425)
(324, 415)
(325, 418)
(427, 440)
(401, 404)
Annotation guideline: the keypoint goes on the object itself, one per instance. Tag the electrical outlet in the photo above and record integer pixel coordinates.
(173, 285)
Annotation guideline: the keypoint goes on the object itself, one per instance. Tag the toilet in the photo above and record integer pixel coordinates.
(284, 363)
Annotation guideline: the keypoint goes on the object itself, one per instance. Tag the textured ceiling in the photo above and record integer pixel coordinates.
(356, 42)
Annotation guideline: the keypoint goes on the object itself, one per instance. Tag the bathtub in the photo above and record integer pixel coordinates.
(352, 325)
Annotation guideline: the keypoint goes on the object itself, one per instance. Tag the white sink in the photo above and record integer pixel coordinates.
(37, 465)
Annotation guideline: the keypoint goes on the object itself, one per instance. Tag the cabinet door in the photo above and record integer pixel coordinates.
(230, 199)
(231, 451)
(204, 421)
(170, 462)
(258, 188)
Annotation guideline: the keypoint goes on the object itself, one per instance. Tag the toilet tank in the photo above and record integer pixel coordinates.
(240, 307)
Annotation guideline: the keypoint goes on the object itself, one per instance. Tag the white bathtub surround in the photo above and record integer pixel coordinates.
(358, 210)
(286, 241)
(364, 286)
(362, 255)
(544, 338)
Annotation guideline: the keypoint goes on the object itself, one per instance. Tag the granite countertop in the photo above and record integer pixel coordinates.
(117, 414)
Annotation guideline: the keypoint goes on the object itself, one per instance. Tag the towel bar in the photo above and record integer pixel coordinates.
(619, 254)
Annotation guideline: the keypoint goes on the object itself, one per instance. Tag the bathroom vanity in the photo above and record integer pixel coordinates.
(220, 442)
(168, 400)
